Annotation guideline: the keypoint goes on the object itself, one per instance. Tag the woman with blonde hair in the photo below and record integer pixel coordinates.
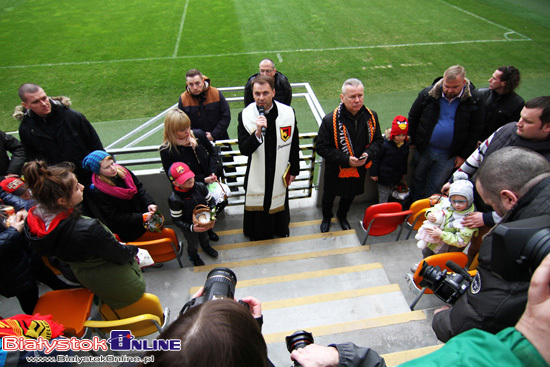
(55, 228)
(181, 144)
(123, 203)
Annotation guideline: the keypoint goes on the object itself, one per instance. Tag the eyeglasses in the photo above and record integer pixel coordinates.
(459, 201)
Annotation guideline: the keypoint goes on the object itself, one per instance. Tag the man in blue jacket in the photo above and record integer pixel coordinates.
(445, 123)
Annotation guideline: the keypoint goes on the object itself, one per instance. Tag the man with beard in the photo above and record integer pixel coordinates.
(516, 183)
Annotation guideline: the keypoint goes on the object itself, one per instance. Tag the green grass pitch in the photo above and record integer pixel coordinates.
(124, 61)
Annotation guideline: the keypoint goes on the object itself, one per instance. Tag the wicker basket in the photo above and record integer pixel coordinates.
(201, 217)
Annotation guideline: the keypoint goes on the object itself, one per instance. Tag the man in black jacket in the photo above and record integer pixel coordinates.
(445, 122)
(209, 113)
(516, 183)
(502, 104)
(53, 132)
(348, 154)
(283, 90)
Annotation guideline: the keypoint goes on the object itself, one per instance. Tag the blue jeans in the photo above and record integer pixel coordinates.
(431, 171)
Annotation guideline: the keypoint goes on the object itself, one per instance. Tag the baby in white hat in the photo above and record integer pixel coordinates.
(452, 235)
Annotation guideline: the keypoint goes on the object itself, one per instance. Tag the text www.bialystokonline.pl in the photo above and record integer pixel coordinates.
(91, 359)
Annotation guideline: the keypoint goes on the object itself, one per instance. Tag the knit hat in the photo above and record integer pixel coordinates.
(13, 185)
(180, 172)
(400, 125)
(92, 161)
(462, 186)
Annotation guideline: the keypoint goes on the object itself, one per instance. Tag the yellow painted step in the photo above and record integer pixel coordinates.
(397, 358)
(304, 237)
(291, 225)
(356, 325)
(302, 276)
(283, 258)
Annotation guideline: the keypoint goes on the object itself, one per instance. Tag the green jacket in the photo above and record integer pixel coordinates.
(479, 348)
(452, 236)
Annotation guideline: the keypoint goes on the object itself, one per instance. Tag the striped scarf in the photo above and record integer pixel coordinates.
(342, 140)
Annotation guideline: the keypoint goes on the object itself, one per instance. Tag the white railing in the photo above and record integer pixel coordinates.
(303, 186)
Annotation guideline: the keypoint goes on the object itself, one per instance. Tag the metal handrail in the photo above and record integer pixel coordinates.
(303, 186)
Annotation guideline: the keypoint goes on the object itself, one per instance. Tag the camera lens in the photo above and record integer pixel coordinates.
(431, 274)
(299, 339)
(220, 283)
(537, 248)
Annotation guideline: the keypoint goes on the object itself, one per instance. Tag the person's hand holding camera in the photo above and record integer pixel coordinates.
(254, 305)
(315, 355)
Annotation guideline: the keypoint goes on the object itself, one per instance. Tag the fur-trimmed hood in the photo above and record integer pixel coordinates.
(436, 90)
(206, 86)
(20, 111)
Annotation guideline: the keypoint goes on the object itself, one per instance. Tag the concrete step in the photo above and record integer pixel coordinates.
(326, 283)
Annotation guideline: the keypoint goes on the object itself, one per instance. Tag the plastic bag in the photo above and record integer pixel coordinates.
(400, 191)
(219, 191)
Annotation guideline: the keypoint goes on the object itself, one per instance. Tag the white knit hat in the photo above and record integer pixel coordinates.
(462, 186)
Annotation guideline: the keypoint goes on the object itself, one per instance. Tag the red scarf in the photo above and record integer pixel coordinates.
(37, 225)
(118, 192)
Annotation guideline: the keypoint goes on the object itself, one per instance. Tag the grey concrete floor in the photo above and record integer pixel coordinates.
(172, 284)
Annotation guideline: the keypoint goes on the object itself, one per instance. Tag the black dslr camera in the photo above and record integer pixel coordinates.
(448, 287)
(299, 339)
(220, 284)
(517, 250)
(519, 247)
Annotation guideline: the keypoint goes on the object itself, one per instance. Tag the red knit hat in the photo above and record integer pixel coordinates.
(400, 125)
(13, 185)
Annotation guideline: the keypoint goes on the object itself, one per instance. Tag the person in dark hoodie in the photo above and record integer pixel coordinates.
(55, 228)
(21, 267)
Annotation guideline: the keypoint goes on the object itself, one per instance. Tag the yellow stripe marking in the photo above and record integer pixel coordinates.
(275, 241)
(279, 259)
(328, 297)
(397, 358)
(302, 276)
(352, 325)
(291, 225)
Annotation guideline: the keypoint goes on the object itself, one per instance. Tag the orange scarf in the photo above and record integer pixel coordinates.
(341, 133)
